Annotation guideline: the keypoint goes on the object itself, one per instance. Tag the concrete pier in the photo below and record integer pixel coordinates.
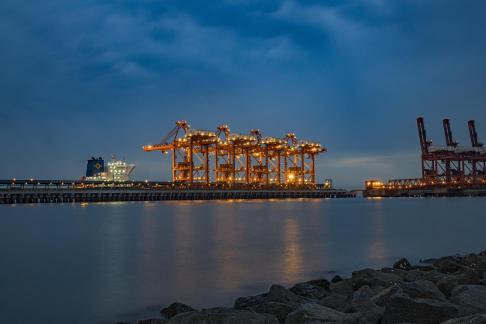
(31, 191)
(429, 192)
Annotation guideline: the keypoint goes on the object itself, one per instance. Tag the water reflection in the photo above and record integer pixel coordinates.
(377, 250)
(226, 254)
(292, 262)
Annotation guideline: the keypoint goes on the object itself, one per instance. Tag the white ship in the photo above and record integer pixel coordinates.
(116, 170)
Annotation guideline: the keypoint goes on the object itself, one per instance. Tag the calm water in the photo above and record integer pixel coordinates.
(100, 263)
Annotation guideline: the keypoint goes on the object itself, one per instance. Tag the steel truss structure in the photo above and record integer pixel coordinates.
(223, 158)
(450, 166)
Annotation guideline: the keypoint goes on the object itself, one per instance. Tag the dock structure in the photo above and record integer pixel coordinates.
(64, 191)
(425, 192)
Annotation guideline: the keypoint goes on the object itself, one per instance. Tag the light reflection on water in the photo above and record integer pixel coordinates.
(100, 263)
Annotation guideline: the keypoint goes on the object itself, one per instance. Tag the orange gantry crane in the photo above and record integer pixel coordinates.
(222, 158)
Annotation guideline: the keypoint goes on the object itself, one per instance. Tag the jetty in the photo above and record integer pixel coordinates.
(77, 191)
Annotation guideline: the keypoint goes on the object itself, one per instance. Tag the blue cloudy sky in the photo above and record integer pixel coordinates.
(90, 77)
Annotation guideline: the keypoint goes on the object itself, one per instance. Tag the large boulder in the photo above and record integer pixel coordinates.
(473, 319)
(174, 309)
(223, 316)
(448, 264)
(384, 296)
(476, 263)
(279, 310)
(422, 289)
(403, 309)
(414, 275)
(402, 264)
(313, 313)
(463, 277)
(336, 278)
(315, 289)
(472, 297)
(369, 277)
(276, 294)
(343, 287)
(363, 304)
(435, 276)
(335, 301)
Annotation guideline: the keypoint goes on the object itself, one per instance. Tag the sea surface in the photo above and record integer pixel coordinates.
(106, 262)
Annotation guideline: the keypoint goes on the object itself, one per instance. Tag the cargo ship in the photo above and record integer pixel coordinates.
(115, 170)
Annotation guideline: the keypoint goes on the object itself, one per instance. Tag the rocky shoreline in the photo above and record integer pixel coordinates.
(448, 290)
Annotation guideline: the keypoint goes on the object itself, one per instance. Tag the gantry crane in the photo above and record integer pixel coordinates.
(239, 159)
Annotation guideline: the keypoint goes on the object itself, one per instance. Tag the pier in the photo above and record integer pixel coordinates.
(425, 192)
(64, 191)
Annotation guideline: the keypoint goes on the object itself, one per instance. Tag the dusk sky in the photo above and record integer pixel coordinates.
(84, 78)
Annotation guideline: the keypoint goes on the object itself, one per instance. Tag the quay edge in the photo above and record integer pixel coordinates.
(71, 192)
(431, 192)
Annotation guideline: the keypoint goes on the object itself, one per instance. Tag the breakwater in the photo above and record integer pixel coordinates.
(31, 191)
(448, 290)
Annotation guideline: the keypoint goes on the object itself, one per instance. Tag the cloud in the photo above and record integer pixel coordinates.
(329, 19)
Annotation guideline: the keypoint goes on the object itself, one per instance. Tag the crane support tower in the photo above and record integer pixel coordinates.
(204, 158)
(452, 165)
(448, 169)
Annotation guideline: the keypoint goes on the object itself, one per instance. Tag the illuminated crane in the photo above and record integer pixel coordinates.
(239, 159)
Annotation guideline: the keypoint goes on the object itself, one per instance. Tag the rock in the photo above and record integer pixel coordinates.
(276, 293)
(315, 289)
(377, 289)
(424, 268)
(279, 310)
(414, 275)
(336, 279)
(313, 313)
(384, 296)
(363, 304)
(472, 297)
(323, 283)
(446, 285)
(402, 264)
(174, 309)
(249, 301)
(153, 321)
(473, 319)
(362, 297)
(402, 309)
(434, 276)
(335, 301)
(475, 262)
(465, 277)
(448, 265)
(369, 277)
(468, 277)
(422, 289)
(223, 316)
(343, 287)
(397, 272)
